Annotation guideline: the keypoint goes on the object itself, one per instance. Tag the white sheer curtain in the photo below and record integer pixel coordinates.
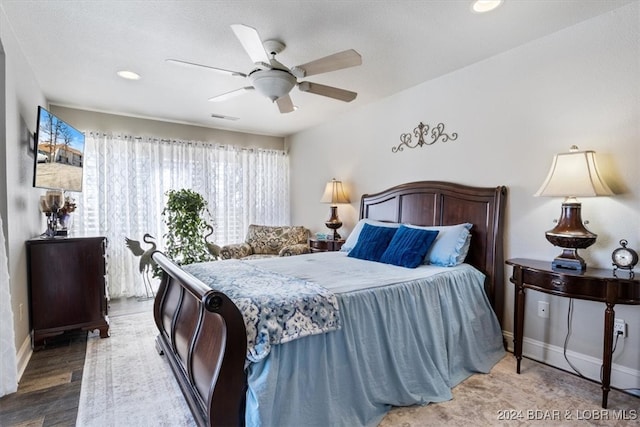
(8, 364)
(126, 178)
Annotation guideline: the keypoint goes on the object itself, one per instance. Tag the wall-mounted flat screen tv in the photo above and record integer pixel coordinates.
(59, 154)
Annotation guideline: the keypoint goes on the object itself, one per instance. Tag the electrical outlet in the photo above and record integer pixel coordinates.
(619, 326)
(543, 309)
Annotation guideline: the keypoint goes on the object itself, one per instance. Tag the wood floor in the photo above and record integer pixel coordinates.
(49, 390)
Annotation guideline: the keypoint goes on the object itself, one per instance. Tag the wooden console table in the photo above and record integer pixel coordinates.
(593, 284)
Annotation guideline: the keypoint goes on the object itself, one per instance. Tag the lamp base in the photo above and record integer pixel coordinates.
(570, 234)
(569, 260)
(334, 223)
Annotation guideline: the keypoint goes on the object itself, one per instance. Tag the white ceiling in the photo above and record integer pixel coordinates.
(76, 47)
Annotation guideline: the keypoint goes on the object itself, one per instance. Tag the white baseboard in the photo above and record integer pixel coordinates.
(622, 377)
(23, 356)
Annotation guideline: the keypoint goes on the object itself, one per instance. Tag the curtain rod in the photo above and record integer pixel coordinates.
(188, 142)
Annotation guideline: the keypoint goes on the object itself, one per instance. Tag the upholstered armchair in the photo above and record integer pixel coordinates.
(264, 241)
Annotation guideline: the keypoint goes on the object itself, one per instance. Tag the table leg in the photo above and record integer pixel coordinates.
(518, 316)
(609, 316)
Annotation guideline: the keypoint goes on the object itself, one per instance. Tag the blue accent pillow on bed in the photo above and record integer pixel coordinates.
(372, 242)
(352, 240)
(409, 247)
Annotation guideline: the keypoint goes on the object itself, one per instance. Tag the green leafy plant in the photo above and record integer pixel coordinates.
(184, 215)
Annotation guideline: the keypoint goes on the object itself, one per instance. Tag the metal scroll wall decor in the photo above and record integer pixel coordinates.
(422, 134)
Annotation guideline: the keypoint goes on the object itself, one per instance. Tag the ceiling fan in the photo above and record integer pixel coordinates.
(273, 79)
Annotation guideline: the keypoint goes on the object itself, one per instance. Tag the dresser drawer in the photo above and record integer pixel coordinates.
(566, 284)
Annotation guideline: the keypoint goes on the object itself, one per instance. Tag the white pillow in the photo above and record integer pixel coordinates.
(355, 233)
(451, 245)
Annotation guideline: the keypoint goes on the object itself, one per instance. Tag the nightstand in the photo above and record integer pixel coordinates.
(322, 245)
(594, 284)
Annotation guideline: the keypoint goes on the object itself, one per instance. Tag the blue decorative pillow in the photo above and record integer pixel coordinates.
(351, 241)
(372, 242)
(409, 247)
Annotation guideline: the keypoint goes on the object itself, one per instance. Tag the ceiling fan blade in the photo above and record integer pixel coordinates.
(251, 42)
(229, 95)
(285, 104)
(193, 64)
(337, 61)
(329, 91)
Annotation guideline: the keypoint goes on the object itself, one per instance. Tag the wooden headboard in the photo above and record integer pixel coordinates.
(444, 203)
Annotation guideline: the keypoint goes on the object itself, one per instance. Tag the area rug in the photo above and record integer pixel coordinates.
(126, 382)
(539, 396)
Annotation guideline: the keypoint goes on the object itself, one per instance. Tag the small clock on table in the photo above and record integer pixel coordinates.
(624, 258)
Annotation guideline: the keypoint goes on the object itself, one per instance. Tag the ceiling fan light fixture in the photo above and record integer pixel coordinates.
(273, 84)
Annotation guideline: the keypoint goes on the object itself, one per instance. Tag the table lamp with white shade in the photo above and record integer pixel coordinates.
(334, 193)
(572, 174)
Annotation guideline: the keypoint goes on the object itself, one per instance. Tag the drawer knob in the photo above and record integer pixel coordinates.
(557, 283)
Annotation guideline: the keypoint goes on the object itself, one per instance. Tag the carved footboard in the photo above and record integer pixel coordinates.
(202, 333)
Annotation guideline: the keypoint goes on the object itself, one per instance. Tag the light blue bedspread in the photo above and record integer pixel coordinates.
(399, 344)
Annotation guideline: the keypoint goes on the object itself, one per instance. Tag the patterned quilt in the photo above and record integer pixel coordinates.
(276, 308)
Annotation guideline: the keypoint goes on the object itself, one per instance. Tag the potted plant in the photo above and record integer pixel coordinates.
(184, 215)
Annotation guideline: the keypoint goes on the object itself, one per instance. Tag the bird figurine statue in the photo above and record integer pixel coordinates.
(146, 262)
(213, 249)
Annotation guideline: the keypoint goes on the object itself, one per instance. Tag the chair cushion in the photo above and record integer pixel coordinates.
(297, 249)
(236, 250)
(270, 240)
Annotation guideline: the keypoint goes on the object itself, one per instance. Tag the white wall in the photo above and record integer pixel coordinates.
(512, 113)
(20, 212)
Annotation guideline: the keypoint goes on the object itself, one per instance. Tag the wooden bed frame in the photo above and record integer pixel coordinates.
(202, 332)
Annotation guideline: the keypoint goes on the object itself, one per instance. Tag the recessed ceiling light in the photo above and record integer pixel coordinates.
(129, 75)
(482, 6)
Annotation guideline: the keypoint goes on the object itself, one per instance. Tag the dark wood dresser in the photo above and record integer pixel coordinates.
(67, 286)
